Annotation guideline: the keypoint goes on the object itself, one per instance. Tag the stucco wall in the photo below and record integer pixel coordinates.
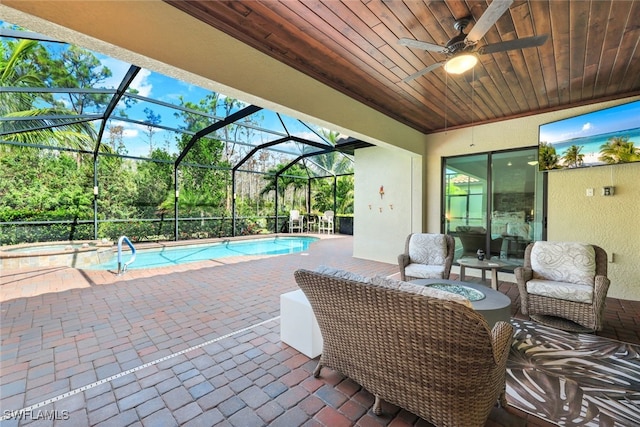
(610, 222)
(382, 224)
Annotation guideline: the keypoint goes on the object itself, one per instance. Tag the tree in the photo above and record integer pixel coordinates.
(79, 68)
(334, 162)
(16, 69)
(204, 171)
(20, 66)
(151, 122)
(154, 181)
(295, 178)
(345, 194)
(547, 156)
(619, 149)
(573, 158)
(116, 139)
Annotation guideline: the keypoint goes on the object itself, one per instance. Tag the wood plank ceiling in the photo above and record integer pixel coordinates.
(592, 53)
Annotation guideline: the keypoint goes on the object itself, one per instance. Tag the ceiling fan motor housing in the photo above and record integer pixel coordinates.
(459, 43)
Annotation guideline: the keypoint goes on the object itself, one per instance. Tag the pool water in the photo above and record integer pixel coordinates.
(175, 255)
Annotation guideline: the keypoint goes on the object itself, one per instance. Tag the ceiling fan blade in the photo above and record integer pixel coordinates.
(514, 44)
(420, 45)
(495, 10)
(422, 72)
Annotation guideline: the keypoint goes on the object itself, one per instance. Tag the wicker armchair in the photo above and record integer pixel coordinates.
(434, 357)
(427, 256)
(553, 293)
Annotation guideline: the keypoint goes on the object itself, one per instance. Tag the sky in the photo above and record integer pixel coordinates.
(621, 117)
(166, 89)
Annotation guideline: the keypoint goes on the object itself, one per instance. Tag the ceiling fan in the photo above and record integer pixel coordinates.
(461, 51)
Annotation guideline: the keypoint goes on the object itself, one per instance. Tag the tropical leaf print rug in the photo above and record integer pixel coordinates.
(573, 379)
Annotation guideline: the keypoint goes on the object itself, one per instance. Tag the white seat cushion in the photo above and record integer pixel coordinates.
(564, 262)
(424, 271)
(561, 290)
(430, 249)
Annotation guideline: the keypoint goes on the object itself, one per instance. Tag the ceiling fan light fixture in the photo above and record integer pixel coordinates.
(461, 63)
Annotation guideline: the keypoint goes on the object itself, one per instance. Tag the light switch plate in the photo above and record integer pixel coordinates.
(589, 192)
(607, 191)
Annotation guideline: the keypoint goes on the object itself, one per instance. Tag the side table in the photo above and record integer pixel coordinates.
(298, 325)
(483, 265)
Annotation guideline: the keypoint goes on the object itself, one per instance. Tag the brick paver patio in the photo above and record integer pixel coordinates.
(195, 345)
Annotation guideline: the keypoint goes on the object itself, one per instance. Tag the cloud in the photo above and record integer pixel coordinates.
(586, 127)
(142, 84)
(130, 133)
(119, 69)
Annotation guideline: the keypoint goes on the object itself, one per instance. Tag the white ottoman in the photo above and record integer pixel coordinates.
(298, 325)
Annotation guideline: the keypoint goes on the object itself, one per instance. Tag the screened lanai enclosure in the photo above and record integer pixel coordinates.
(93, 148)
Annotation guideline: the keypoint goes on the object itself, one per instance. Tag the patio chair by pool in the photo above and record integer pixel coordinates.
(564, 285)
(326, 222)
(296, 221)
(312, 223)
(427, 256)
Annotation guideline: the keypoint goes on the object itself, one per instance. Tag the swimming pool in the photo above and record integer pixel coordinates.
(175, 255)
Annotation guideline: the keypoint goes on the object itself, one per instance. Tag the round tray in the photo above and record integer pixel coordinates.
(467, 292)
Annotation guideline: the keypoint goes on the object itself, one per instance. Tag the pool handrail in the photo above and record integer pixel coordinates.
(123, 267)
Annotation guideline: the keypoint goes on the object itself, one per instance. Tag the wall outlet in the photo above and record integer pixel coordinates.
(607, 191)
(589, 192)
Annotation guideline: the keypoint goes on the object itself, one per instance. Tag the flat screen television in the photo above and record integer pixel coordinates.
(603, 137)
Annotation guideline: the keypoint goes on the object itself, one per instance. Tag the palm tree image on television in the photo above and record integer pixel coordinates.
(603, 137)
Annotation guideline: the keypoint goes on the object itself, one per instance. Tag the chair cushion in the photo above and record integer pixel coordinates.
(387, 282)
(423, 271)
(430, 249)
(564, 262)
(342, 274)
(561, 290)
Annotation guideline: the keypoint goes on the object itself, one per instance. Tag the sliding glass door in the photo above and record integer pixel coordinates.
(493, 202)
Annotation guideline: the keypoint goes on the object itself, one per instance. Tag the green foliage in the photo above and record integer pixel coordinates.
(547, 157)
(37, 185)
(573, 158)
(619, 150)
(294, 179)
(322, 190)
(154, 182)
(76, 67)
(27, 64)
(344, 194)
(135, 197)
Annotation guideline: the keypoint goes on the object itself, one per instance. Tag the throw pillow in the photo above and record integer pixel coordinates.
(386, 282)
(342, 274)
(564, 262)
(429, 249)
